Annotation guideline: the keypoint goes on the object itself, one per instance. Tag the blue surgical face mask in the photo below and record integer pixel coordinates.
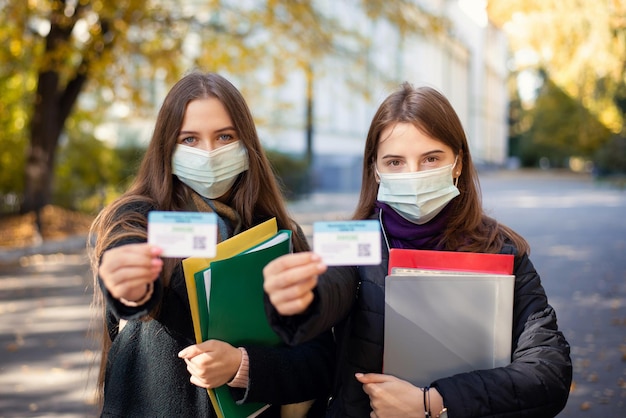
(420, 195)
(210, 173)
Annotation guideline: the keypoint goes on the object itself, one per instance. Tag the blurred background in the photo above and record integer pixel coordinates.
(540, 86)
(536, 84)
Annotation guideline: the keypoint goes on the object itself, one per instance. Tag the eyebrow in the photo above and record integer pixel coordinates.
(226, 129)
(391, 156)
(221, 130)
(433, 152)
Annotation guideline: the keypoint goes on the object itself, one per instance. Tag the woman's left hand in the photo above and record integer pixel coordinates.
(211, 363)
(392, 397)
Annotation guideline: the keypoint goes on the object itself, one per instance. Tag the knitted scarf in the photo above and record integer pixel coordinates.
(228, 220)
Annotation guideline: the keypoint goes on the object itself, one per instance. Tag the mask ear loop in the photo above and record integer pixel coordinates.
(458, 173)
(380, 213)
(382, 228)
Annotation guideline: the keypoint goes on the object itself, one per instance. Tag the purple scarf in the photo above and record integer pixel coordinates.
(405, 234)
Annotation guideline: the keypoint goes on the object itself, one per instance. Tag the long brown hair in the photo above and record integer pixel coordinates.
(256, 195)
(469, 228)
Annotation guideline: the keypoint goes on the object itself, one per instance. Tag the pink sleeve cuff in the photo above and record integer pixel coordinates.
(241, 378)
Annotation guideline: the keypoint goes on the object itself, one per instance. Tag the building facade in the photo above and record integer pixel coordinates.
(467, 62)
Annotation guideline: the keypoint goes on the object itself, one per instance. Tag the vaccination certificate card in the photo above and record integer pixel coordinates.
(183, 234)
(347, 243)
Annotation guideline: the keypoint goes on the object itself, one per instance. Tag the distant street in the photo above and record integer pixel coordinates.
(577, 232)
(576, 228)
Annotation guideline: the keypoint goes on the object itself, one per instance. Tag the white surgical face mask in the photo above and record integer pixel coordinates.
(418, 196)
(210, 173)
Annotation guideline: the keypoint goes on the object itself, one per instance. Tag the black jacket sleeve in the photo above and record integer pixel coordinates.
(536, 383)
(333, 299)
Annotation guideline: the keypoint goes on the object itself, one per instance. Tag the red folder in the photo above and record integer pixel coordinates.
(451, 260)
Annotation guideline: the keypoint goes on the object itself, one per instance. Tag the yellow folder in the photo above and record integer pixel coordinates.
(225, 249)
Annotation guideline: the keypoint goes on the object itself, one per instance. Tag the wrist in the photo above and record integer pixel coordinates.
(146, 297)
(433, 403)
(436, 405)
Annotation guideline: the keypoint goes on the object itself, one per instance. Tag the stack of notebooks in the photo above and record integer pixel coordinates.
(226, 299)
(447, 313)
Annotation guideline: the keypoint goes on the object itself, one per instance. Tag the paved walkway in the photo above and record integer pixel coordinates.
(46, 352)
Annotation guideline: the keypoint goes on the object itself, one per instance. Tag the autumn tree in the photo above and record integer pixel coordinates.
(561, 127)
(579, 48)
(59, 49)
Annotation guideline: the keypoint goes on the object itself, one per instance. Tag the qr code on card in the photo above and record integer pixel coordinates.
(364, 250)
(199, 243)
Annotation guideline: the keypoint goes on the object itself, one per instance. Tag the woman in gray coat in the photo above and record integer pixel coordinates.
(204, 156)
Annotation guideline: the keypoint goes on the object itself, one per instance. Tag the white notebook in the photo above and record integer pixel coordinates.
(440, 323)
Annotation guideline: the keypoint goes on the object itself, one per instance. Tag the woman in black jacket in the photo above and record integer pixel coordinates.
(204, 156)
(420, 183)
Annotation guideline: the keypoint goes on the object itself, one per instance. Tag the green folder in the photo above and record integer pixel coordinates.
(236, 312)
(203, 301)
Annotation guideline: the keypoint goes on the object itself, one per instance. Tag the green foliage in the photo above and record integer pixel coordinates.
(581, 46)
(560, 127)
(610, 159)
(90, 174)
(620, 95)
(12, 151)
(291, 172)
(17, 84)
(83, 164)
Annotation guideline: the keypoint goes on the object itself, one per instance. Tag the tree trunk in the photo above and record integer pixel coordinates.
(44, 138)
(52, 107)
(51, 110)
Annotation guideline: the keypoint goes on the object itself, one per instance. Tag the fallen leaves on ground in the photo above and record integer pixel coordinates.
(57, 223)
